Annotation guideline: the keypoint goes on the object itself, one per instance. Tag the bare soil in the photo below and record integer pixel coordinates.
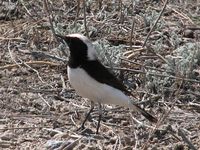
(38, 112)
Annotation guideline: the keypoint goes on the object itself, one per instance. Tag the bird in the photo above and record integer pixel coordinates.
(92, 80)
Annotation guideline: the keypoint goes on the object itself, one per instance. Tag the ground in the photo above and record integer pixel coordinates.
(40, 109)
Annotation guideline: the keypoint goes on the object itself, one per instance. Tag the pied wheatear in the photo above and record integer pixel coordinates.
(92, 80)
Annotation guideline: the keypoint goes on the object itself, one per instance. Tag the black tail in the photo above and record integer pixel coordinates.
(146, 114)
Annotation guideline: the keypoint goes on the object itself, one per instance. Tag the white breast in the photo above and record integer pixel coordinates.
(89, 88)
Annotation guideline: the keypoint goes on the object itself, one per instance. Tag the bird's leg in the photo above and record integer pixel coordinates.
(87, 116)
(100, 116)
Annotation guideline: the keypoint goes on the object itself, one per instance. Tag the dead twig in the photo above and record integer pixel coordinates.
(37, 72)
(154, 74)
(77, 11)
(10, 66)
(132, 29)
(11, 55)
(85, 20)
(148, 35)
(64, 87)
(25, 128)
(44, 100)
(145, 41)
(44, 55)
(181, 14)
(46, 6)
(73, 144)
(133, 23)
(25, 116)
(9, 38)
(186, 140)
(147, 67)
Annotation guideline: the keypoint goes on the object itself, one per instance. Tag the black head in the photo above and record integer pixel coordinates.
(81, 48)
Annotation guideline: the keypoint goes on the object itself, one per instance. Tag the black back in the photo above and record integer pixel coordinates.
(101, 74)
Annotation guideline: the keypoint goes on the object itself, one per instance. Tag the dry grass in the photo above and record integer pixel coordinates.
(39, 112)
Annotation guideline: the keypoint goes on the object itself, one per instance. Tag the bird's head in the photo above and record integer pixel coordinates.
(80, 47)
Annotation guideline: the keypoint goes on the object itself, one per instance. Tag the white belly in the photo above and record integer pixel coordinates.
(89, 88)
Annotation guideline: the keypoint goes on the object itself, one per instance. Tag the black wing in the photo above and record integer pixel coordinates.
(96, 70)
